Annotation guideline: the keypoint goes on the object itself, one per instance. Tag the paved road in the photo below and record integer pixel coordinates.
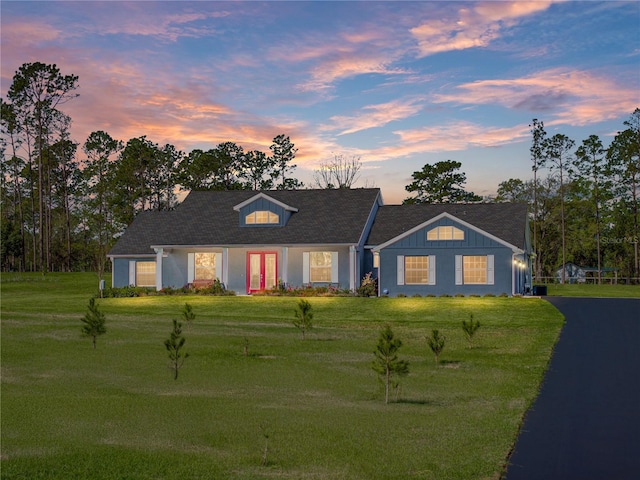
(585, 424)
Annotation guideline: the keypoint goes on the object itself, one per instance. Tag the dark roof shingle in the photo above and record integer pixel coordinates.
(506, 221)
(208, 218)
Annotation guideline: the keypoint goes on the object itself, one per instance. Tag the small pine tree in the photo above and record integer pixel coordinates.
(470, 329)
(174, 346)
(187, 314)
(436, 343)
(304, 316)
(386, 363)
(94, 322)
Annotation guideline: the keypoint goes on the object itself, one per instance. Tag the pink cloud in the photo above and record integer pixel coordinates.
(571, 97)
(474, 26)
(378, 115)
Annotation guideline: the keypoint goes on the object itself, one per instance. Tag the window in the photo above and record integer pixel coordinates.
(320, 267)
(205, 266)
(445, 233)
(145, 274)
(474, 270)
(262, 217)
(416, 270)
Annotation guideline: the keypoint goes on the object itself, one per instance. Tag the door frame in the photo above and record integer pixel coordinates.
(263, 254)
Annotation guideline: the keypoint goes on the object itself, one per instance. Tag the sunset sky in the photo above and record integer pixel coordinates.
(398, 84)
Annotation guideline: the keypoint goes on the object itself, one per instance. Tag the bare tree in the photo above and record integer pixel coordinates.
(340, 172)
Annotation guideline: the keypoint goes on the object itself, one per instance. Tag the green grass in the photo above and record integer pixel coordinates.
(71, 412)
(592, 290)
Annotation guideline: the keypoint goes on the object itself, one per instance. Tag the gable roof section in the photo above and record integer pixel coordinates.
(266, 197)
(504, 222)
(208, 218)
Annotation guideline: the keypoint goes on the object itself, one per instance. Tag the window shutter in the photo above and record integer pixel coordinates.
(334, 267)
(191, 267)
(219, 265)
(458, 269)
(305, 267)
(132, 272)
(400, 269)
(490, 270)
(432, 269)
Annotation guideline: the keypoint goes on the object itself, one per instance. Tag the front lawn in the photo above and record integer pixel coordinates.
(592, 290)
(312, 408)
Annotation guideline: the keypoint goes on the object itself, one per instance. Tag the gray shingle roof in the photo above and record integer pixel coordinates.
(208, 218)
(504, 220)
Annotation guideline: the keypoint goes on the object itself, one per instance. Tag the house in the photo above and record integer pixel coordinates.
(252, 241)
(471, 249)
(580, 274)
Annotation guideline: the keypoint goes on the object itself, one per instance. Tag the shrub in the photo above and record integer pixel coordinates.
(368, 287)
(436, 343)
(401, 295)
(470, 328)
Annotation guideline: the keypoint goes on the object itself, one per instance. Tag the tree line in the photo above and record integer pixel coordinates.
(583, 199)
(64, 204)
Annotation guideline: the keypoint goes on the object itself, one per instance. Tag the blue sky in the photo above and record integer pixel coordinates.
(398, 84)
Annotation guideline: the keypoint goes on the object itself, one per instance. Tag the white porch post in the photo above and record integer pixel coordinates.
(284, 272)
(159, 252)
(352, 267)
(225, 267)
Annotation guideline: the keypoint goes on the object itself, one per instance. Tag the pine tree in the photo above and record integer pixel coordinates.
(436, 343)
(386, 363)
(174, 346)
(94, 322)
(304, 316)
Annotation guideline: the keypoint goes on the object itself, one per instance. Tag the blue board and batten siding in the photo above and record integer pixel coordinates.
(443, 254)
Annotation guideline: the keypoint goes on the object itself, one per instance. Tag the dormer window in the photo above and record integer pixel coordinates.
(445, 233)
(262, 217)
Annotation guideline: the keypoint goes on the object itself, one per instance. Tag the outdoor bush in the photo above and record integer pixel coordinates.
(368, 287)
(401, 295)
(459, 295)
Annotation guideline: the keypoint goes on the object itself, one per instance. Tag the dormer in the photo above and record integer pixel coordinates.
(261, 210)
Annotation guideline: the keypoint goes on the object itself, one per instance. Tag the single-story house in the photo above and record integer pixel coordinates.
(581, 274)
(252, 241)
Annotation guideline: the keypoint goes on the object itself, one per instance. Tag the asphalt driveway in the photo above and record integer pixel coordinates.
(585, 424)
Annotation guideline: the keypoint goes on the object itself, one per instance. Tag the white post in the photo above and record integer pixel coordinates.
(352, 267)
(159, 253)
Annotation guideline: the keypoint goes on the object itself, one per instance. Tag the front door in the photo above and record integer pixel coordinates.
(262, 271)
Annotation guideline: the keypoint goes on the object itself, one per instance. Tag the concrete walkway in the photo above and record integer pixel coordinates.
(585, 424)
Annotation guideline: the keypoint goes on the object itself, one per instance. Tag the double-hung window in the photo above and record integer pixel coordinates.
(320, 267)
(142, 274)
(474, 270)
(416, 270)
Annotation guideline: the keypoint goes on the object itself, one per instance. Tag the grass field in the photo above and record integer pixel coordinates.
(592, 290)
(71, 412)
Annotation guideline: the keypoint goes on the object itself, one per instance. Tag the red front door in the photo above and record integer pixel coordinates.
(262, 271)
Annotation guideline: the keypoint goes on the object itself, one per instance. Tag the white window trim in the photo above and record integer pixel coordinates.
(306, 267)
(191, 266)
(490, 270)
(400, 278)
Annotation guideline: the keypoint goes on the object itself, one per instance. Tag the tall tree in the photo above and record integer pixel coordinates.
(624, 158)
(256, 171)
(38, 90)
(557, 152)
(340, 172)
(513, 190)
(589, 166)
(100, 149)
(538, 137)
(440, 183)
(283, 152)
